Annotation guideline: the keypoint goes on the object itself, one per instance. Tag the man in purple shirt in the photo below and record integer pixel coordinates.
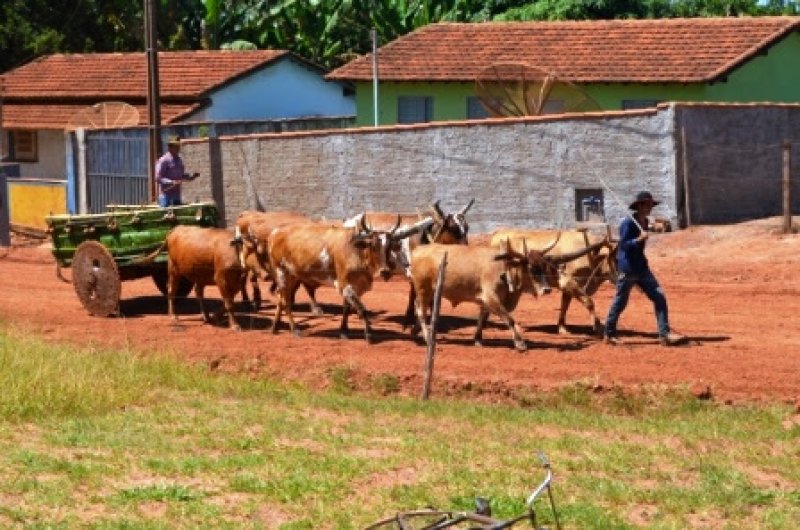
(170, 174)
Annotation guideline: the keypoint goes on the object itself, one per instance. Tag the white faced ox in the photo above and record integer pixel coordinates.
(261, 225)
(415, 230)
(207, 256)
(580, 278)
(347, 258)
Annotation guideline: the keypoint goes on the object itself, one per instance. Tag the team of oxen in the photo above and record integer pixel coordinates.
(292, 250)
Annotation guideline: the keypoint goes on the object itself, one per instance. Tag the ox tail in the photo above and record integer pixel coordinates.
(150, 258)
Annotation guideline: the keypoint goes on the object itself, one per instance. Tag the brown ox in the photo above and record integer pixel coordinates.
(580, 278)
(347, 258)
(492, 278)
(207, 256)
(261, 225)
(415, 230)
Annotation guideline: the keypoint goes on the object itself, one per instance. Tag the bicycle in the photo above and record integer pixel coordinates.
(480, 519)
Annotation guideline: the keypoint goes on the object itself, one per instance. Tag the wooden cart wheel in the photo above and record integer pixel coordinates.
(160, 279)
(96, 279)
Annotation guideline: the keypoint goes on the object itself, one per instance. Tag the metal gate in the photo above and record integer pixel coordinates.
(116, 168)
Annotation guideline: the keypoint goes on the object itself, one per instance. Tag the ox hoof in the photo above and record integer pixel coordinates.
(562, 330)
(297, 333)
(479, 343)
(317, 311)
(521, 346)
(236, 328)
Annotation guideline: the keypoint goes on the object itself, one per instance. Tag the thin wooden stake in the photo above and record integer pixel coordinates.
(437, 302)
(687, 205)
(787, 187)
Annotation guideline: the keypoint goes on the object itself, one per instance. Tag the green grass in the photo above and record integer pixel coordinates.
(99, 439)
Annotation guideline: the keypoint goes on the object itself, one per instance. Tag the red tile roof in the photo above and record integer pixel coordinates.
(644, 51)
(46, 92)
(120, 75)
(57, 116)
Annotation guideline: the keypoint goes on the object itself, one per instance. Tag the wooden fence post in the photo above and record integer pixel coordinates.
(686, 204)
(787, 187)
(437, 302)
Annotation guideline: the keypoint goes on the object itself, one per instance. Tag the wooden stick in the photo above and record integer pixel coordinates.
(787, 187)
(687, 206)
(437, 302)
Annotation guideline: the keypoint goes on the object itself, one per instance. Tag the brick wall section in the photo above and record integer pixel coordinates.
(735, 160)
(521, 172)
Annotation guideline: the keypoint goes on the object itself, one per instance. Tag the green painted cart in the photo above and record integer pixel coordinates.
(103, 250)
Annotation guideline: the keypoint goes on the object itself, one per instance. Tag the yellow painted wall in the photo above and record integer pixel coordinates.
(29, 201)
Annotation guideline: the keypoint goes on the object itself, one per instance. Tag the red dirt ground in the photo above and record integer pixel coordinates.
(733, 289)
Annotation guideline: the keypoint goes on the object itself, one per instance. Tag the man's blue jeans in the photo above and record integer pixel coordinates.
(649, 285)
(164, 202)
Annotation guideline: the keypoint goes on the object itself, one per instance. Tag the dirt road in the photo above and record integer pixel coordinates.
(734, 290)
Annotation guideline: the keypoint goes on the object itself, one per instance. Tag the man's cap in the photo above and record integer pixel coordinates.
(643, 196)
(174, 140)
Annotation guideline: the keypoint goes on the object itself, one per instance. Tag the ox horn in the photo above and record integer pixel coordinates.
(550, 247)
(466, 208)
(437, 212)
(413, 229)
(363, 224)
(564, 258)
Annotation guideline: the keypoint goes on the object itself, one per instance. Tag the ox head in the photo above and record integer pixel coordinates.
(376, 246)
(451, 228)
(516, 266)
(250, 253)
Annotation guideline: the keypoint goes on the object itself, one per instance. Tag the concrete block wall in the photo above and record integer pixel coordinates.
(734, 160)
(522, 172)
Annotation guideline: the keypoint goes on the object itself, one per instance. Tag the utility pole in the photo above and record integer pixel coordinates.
(153, 97)
(2, 130)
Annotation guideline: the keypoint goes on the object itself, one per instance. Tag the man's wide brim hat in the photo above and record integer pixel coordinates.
(643, 196)
(174, 140)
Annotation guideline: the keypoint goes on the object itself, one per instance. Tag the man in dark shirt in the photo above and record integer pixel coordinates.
(633, 270)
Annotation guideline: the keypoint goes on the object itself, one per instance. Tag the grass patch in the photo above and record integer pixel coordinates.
(101, 439)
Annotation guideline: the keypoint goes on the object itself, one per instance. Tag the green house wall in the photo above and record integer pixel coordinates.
(772, 76)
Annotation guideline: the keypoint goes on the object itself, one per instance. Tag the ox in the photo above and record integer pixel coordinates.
(492, 278)
(580, 278)
(261, 225)
(347, 258)
(415, 230)
(207, 256)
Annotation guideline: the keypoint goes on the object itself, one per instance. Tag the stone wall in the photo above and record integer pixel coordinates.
(734, 160)
(522, 172)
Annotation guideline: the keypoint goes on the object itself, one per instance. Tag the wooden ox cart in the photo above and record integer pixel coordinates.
(103, 249)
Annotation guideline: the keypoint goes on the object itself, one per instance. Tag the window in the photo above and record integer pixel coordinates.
(414, 109)
(23, 146)
(631, 104)
(475, 109)
(589, 205)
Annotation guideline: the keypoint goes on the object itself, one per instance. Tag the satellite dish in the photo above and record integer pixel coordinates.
(105, 115)
(518, 89)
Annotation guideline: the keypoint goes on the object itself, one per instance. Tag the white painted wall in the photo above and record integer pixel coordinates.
(52, 157)
(285, 89)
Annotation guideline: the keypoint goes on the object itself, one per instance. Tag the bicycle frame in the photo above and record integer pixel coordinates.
(449, 518)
